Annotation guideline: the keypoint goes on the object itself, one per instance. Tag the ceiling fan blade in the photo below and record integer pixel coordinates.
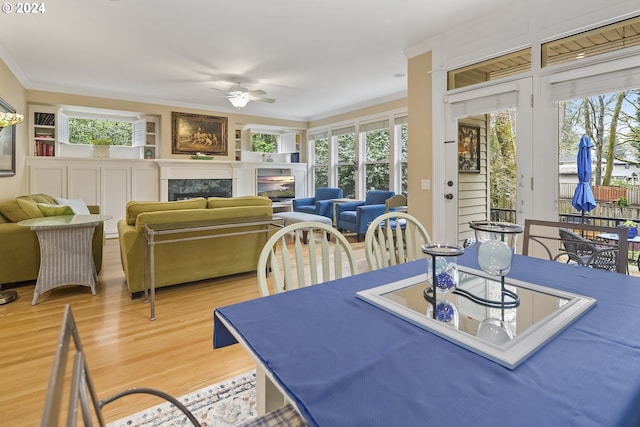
(262, 99)
(257, 92)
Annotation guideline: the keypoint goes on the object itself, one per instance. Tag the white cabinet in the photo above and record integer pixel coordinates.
(107, 183)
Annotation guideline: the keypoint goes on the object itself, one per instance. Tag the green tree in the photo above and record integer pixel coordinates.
(609, 121)
(502, 152)
(347, 164)
(83, 131)
(377, 158)
(321, 162)
(264, 142)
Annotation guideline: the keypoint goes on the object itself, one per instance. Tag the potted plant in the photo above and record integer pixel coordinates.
(632, 228)
(101, 148)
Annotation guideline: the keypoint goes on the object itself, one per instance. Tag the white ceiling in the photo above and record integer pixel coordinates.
(315, 57)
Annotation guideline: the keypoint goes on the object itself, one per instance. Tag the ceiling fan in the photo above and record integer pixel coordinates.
(240, 96)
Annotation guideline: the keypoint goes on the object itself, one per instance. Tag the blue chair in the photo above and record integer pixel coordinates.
(356, 216)
(321, 204)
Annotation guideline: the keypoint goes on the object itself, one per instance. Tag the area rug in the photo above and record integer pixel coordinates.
(224, 404)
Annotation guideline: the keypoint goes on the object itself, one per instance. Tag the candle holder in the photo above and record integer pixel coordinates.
(442, 271)
(496, 243)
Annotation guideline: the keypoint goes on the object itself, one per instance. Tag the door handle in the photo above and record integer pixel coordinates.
(448, 196)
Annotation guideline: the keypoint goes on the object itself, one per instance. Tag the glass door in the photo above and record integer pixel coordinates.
(488, 156)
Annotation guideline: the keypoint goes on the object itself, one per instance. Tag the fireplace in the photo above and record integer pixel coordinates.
(180, 189)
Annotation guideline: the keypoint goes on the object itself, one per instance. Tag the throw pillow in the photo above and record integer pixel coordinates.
(78, 206)
(29, 207)
(49, 209)
(11, 210)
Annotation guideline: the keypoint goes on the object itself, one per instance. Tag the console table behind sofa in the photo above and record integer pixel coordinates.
(191, 260)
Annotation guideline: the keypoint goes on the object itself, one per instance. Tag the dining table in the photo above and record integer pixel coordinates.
(341, 361)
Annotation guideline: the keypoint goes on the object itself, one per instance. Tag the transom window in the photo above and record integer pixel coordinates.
(609, 38)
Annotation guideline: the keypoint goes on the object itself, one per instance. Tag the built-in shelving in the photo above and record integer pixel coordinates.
(238, 144)
(43, 131)
(151, 138)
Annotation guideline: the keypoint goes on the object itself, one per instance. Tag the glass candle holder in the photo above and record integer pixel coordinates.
(496, 243)
(443, 258)
(442, 274)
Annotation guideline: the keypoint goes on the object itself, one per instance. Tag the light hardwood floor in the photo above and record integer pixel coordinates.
(124, 349)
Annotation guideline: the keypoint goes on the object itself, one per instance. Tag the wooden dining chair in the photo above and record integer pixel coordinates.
(328, 255)
(394, 238)
(396, 203)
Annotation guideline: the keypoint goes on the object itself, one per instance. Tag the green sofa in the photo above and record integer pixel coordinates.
(193, 260)
(20, 250)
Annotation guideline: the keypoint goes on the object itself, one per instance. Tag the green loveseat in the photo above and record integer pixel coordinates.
(193, 260)
(20, 250)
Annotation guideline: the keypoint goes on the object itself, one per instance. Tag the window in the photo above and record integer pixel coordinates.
(491, 69)
(377, 155)
(600, 40)
(83, 131)
(264, 142)
(81, 125)
(368, 154)
(346, 143)
(404, 139)
(320, 165)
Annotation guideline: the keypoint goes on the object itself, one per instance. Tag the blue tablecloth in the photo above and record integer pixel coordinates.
(347, 363)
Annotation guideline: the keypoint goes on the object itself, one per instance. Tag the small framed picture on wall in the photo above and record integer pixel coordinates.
(468, 148)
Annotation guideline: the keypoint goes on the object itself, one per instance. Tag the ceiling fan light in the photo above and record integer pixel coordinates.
(239, 101)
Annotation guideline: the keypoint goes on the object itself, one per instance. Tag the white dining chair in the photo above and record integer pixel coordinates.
(289, 265)
(394, 238)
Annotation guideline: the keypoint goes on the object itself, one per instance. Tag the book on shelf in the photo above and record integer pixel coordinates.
(44, 119)
(42, 149)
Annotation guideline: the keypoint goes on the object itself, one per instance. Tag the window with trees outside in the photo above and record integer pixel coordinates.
(84, 130)
(264, 142)
(377, 155)
(84, 126)
(404, 143)
(320, 165)
(346, 144)
(612, 123)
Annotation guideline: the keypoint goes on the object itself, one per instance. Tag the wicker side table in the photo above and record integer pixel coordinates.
(65, 251)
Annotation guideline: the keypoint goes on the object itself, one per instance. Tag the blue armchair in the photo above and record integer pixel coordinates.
(321, 204)
(356, 216)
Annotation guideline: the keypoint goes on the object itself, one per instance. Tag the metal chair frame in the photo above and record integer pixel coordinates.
(82, 391)
(575, 248)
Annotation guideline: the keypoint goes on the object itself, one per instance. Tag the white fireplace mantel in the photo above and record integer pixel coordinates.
(195, 169)
(242, 174)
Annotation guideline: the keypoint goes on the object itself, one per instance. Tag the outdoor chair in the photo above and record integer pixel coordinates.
(320, 204)
(586, 252)
(552, 240)
(326, 256)
(394, 238)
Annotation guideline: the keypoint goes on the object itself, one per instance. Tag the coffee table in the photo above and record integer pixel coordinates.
(65, 251)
